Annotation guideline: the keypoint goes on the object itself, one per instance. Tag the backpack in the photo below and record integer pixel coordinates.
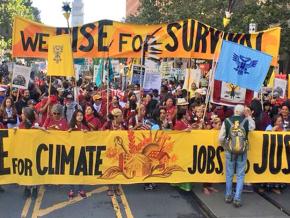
(236, 140)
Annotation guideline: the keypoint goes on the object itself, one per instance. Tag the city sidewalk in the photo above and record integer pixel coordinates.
(254, 205)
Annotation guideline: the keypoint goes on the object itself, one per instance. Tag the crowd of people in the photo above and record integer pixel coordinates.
(81, 106)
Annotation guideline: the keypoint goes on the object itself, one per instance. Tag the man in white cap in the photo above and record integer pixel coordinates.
(2, 94)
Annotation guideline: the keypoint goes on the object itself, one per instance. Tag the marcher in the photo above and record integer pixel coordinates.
(115, 123)
(77, 123)
(236, 162)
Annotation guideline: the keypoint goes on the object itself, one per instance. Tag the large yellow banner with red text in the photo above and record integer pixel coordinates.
(125, 157)
(105, 38)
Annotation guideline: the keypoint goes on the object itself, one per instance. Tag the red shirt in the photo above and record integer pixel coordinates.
(181, 125)
(171, 112)
(80, 127)
(38, 106)
(56, 124)
(93, 122)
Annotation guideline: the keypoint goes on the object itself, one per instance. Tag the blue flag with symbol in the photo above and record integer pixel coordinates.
(242, 66)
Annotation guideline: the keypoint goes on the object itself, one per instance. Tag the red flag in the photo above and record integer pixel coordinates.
(230, 95)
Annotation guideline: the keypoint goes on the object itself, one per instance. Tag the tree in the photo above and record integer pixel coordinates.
(265, 13)
(9, 9)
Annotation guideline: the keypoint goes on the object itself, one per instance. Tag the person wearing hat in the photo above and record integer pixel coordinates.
(70, 106)
(115, 123)
(100, 108)
(2, 94)
(56, 120)
(182, 103)
(14, 93)
(60, 96)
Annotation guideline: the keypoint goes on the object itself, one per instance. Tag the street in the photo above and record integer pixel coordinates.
(52, 202)
(166, 201)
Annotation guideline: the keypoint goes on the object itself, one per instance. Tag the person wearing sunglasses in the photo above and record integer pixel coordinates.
(56, 121)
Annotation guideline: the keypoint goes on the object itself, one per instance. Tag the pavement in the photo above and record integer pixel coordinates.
(255, 205)
(52, 202)
(165, 202)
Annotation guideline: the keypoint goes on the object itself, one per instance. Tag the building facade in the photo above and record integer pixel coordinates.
(132, 7)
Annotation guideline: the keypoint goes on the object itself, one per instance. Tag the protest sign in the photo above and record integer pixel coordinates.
(21, 76)
(280, 86)
(137, 74)
(152, 79)
(183, 39)
(31, 157)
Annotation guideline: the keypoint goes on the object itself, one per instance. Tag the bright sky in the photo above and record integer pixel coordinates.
(51, 10)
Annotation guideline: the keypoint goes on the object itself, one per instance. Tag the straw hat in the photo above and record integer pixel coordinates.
(181, 101)
(116, 112)
(97, 97)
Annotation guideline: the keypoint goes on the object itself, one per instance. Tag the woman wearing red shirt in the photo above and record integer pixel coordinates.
(93, 122)
(78, 123)
(114, 104)
(56, 121)
(170, 109)
(182, 124)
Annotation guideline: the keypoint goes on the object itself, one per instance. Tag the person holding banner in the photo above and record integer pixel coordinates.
(183, 125)
(8, 113)
(277, 125)
(93, 122)
(286, 116)
(56, 121)
(115, 123)
(77, 123)
(29, 122)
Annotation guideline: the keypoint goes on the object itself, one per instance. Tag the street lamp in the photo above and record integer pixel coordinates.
(253, 26)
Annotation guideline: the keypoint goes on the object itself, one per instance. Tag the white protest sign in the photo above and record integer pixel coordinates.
(21, 76)
(280, 86)
(152, 79)
(77, 71)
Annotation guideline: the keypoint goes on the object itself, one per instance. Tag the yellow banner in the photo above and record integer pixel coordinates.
(119, 157)
(60, 57)
(184, 39)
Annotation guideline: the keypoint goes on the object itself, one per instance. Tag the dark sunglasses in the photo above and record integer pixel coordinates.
(56, 113)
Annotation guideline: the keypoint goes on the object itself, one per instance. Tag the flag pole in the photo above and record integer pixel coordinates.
(108, 75)
(66, 14)
(211, 77)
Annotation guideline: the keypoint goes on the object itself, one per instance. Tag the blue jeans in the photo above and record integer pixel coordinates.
(239, 164)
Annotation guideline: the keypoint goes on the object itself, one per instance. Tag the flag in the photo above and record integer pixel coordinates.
(110, 71)
(242, 66)
(191, 75)
(60, 57)
(230, 95)
(271, 80)
(99, 74)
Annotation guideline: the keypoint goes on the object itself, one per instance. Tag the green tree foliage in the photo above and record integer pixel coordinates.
(266, 14)
(9, 9)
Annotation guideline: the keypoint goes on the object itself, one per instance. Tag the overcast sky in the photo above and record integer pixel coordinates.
(51, 11)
